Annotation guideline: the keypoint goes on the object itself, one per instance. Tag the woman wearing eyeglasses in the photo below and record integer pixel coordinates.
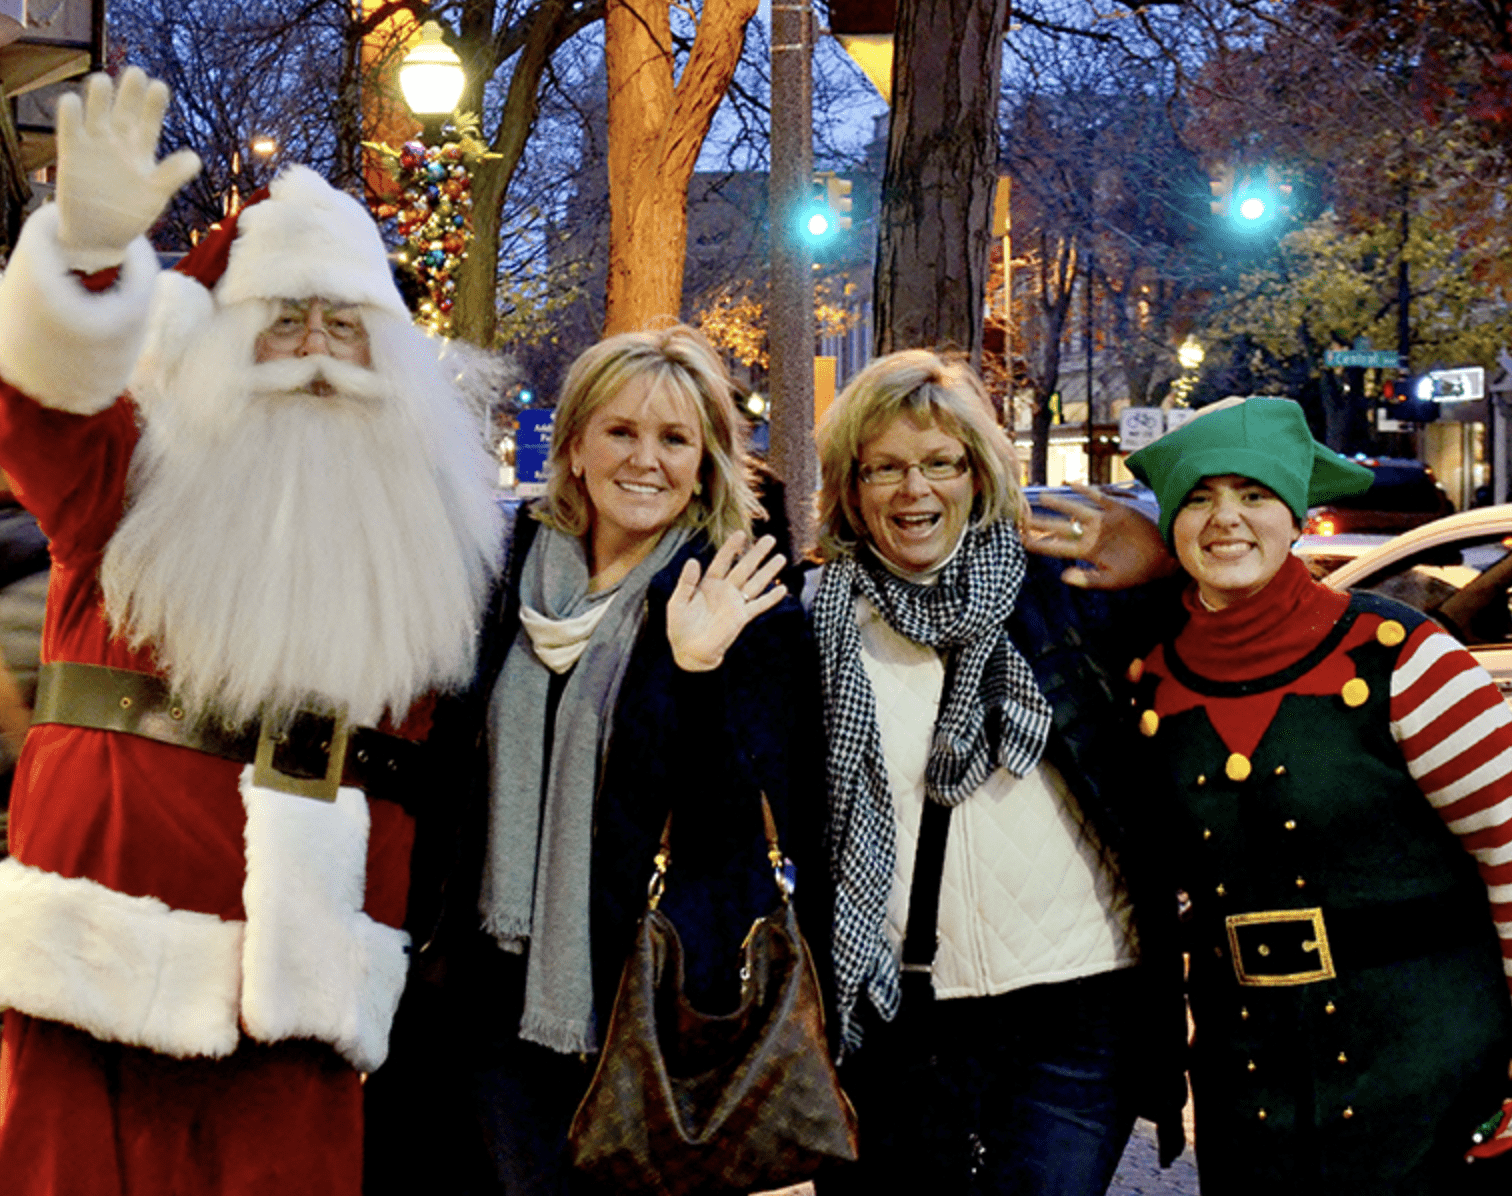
(997, 1030)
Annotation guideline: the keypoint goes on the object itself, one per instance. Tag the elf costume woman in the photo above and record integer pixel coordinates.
(1341, 775)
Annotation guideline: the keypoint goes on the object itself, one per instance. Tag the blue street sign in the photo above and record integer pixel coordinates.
(532, 444)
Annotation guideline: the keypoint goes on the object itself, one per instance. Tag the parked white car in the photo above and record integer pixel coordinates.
(1323, 554)
(1457, 569)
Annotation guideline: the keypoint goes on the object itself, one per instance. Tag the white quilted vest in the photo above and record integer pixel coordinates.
(1025, 898)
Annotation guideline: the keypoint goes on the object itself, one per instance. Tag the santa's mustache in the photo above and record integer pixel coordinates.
(317, 375)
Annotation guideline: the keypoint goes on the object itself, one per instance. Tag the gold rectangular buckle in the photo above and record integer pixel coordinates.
(1245, 938)
(267, 775)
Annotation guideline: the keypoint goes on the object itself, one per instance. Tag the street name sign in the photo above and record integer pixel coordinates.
(1371, 359)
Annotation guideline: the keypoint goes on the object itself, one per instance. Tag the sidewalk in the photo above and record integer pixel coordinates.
(1139, 1173)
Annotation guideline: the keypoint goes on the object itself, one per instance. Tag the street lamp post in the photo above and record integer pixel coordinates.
(434, 211)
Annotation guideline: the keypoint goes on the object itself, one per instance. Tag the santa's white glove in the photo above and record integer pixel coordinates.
(111, 189)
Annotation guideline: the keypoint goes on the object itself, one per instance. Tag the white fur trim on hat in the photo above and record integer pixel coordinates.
(60, 344)
(308, 239)
(315, 965)
(124, 969)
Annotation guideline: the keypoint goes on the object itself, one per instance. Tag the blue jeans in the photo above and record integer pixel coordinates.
(1024, 1094)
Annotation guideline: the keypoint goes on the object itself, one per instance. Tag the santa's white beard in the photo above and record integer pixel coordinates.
(282, 549)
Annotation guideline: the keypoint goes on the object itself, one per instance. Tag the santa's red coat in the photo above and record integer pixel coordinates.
(105, 827)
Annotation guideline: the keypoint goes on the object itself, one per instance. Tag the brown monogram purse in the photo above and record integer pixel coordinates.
(682, 1102)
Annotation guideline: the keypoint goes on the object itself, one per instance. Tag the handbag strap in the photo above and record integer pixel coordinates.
(780, 873)
(921, 938)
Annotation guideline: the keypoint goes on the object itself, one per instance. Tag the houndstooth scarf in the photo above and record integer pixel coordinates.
(991, 715)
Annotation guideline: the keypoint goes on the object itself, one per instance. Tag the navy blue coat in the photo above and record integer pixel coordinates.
(1078, 642)
(703, 746)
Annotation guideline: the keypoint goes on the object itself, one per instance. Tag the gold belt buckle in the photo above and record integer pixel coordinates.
(267, 775)
(1317, 942)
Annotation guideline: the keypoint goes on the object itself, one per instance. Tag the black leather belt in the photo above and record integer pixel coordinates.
(1301, 946)
(311, 755)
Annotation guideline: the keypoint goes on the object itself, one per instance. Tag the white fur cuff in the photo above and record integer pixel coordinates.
(314, 965)
(125, 969)
(60, 344)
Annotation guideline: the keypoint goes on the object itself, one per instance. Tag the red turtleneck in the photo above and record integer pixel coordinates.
(1261, 634)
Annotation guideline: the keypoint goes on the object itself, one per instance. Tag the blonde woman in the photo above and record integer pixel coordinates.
(999, 1030)
(639, 660)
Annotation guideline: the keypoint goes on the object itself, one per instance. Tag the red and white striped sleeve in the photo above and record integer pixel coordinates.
(1455, 732)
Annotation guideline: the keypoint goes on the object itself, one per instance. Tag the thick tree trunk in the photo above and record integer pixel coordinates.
(942, 165)
(656, 130)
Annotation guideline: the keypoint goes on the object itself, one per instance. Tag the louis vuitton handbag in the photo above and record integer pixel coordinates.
(683, 1102)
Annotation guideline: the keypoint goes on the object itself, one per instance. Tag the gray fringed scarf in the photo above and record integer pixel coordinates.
(535, 878)
(992, 714)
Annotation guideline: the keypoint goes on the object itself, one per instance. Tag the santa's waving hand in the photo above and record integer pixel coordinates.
(111, 189)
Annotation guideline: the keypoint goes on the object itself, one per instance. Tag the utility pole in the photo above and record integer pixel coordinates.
(790, 320)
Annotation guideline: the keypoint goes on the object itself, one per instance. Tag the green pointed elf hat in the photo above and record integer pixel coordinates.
(1263, 439)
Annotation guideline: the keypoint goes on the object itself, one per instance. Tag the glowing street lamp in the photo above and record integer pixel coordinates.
(431, 76)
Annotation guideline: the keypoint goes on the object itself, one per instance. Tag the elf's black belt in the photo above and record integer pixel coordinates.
(311, 756)
(1300, 946)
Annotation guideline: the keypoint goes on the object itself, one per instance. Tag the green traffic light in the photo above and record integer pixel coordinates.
(818, 225)
(1252, 208)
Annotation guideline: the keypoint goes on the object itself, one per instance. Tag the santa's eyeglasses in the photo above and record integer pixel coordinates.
(297, 318)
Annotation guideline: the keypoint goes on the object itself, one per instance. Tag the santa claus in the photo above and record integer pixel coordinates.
(272, 533)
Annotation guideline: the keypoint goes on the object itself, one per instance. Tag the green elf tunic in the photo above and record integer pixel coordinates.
(1342, 775)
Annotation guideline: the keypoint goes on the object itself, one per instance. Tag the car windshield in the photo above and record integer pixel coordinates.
(1464, 585)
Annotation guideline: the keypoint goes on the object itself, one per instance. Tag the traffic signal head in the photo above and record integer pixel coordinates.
(1255, 204)
(837, 199)
(816, 224)
(1222, 186)
(826, 211)
(1248, 202)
